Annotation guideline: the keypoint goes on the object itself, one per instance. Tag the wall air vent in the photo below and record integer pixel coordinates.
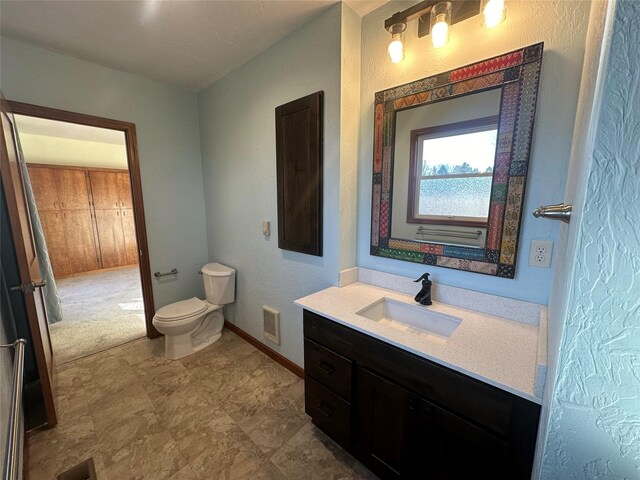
(271, 320)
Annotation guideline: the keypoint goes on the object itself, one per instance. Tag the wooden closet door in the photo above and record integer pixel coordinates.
(129, 231)
(78, 230)
(111, 238)
(104, 188)
(53, 227)
(72, 189)
(43, 183)
(124, 190)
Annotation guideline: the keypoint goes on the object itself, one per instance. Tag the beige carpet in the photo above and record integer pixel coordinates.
(100, 311)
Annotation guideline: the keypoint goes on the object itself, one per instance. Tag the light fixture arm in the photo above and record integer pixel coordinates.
(461, 10)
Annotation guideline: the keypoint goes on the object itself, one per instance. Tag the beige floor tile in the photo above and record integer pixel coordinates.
(221, 450)
(125, 404)
(181, 405)
(311, 455)
(62, 447)
(139, 350)
(154, 456)
(157, 374)
(116, 436)
(270, 427)
(227, 412)
(186, 473)
(110, 376)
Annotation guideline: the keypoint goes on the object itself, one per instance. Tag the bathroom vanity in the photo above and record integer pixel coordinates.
(450, 396)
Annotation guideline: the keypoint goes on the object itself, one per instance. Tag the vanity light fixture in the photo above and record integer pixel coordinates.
(436, 17)
(396, 47)
(494, 12)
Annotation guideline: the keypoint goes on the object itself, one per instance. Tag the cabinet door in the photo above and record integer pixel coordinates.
(53, 228)
(104, 189)
(72, 189)
(78, 231)
(43, 183)
(129, 232)
(111, 238)
(124, 190)
(395, 430)
(466, 451)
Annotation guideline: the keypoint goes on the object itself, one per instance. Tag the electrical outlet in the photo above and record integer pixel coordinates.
(540, 253)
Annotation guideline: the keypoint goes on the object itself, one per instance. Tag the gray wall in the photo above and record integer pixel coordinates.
(166, 119)
(239, 165)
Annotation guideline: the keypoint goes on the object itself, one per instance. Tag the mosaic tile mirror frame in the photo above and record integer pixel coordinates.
(517, 73)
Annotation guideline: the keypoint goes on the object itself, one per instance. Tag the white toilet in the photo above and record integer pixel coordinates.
(191, 325)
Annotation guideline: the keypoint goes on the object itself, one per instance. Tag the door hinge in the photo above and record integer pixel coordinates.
(28, 288)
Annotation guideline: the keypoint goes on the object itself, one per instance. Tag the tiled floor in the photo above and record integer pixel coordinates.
(228, 412)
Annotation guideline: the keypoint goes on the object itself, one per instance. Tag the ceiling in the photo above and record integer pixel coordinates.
(182, 42)
(53, 128)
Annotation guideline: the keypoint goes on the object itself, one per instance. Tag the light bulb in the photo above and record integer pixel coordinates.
(440, 32)
(396, 48)
(494, 13)
(440, 22)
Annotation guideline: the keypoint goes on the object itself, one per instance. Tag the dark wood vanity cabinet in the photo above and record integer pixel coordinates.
(406, 417)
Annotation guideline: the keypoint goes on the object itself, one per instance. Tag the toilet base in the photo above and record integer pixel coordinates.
(205, 335)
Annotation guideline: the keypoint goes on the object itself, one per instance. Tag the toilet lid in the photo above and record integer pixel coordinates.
(182, 309)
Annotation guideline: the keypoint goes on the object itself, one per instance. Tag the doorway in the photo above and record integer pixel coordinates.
(85, 178)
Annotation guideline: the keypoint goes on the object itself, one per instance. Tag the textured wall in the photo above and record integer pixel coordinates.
(166, 121)
(562, 26)
(594, 428)
(237, 122)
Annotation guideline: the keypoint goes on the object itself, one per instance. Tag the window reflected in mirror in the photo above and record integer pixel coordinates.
(451, 173)
(444, 157)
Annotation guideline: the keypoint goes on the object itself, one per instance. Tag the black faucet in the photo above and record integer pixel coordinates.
(424, 295)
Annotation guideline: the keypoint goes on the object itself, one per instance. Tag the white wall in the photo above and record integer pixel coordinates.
(593, 427)
(239, 160)
(166, 121)
(562, 26)
(596, 50)
(72, 152)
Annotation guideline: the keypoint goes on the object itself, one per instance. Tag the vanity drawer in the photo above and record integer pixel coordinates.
(328, 411)
(328, 367)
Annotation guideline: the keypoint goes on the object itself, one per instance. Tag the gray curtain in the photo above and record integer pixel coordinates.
(52, 301)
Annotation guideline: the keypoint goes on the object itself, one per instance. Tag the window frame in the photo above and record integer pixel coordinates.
(415, 163)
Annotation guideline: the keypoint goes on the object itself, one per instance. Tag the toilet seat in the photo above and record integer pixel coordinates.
(181, 310)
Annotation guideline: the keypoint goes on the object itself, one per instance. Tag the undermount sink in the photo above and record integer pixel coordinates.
(408, 317)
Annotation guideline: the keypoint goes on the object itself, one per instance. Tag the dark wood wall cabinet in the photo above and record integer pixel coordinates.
(406, 417)
(299, 139)
(86, 216)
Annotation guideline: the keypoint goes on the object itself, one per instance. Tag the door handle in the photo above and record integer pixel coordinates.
(560, 212)
(28, 287)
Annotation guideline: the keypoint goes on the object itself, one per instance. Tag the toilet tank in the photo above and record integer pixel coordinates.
(219, 283)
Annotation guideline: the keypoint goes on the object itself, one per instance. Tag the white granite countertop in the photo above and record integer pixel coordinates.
(492, 349)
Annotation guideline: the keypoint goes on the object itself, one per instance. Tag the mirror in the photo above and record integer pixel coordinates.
(451, 157)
